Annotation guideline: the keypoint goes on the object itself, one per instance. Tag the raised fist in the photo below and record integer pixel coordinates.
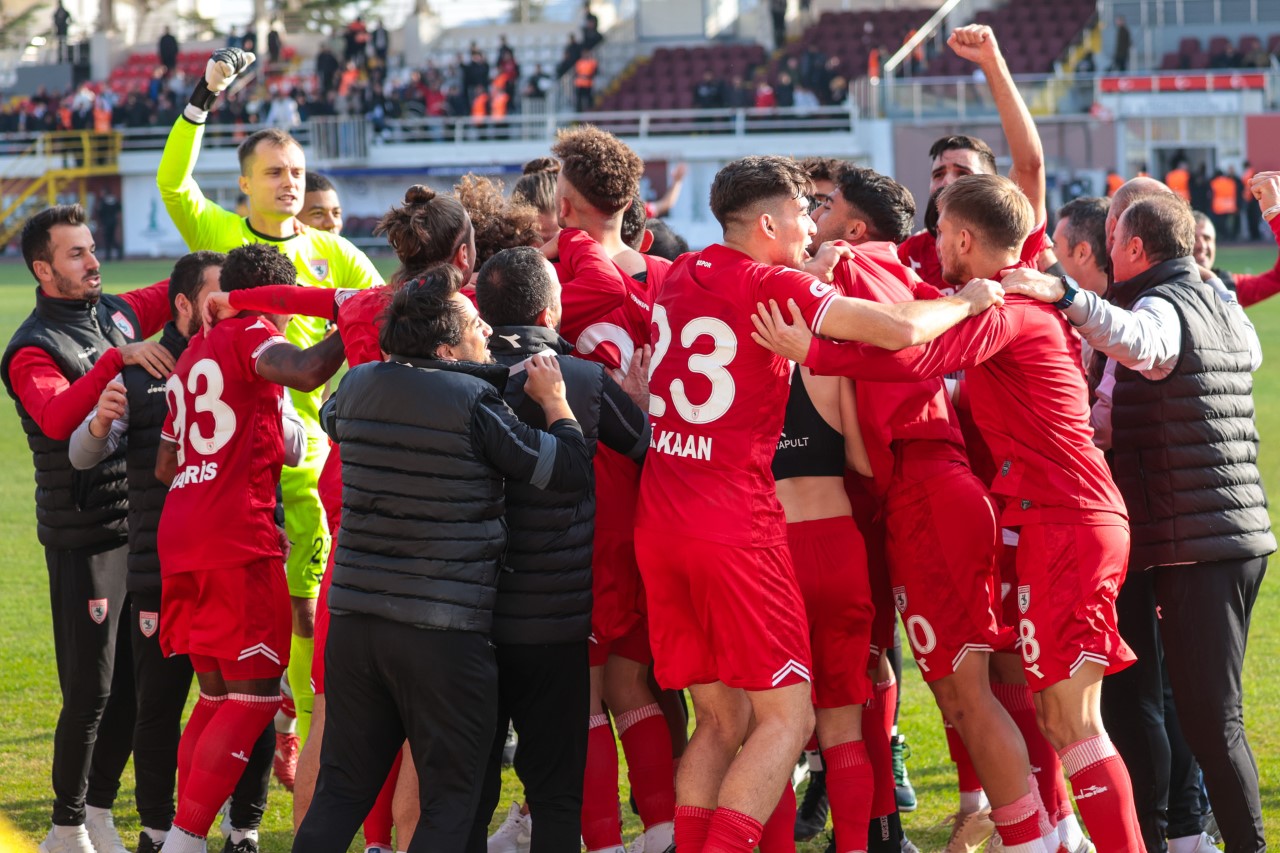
(224, 66)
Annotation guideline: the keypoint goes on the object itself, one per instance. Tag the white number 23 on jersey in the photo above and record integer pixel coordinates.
(711, 365)
(204, 372)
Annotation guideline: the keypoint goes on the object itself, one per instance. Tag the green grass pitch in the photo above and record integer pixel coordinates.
(29, 700)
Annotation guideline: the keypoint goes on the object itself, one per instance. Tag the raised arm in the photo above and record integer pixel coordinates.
(1252, 289)
(273, 299)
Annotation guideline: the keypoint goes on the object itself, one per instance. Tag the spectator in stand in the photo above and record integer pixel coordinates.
(536, 85)
(591, 35)
(785, 91)
(248, 43)
(778, 15)
(1199, 189)
(765, 98)
(61, 26)
(475, 74)
(274, 45)
(1257, 57)
(812, 62)
(584, 81)
(355, 39)
(504, 51)
(327, 68)
(108, 214)
(1123, 45)
(741, 94)
(168, 50)
(284, 110)
(572, 53)
(806, 101)
(233, 40)
(708, 94)
(381, 42)
(1229, 57)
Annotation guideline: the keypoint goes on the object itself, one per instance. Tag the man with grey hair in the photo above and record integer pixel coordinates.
(1173, 362)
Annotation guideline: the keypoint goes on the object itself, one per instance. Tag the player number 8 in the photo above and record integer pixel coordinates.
(711, 365)
(209, 402)
(1030, 645)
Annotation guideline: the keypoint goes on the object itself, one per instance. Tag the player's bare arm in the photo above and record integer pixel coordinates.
(907, 324)
(302, 369)
(166, 461)
(977, 44)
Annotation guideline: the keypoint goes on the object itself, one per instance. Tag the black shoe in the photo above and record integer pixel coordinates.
(146, 844)
(831, 844)
(248, 845)
(811, 817)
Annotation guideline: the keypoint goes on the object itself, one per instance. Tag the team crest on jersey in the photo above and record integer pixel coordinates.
(900, 598)
(319, 268)
(147, 623)
(98, 610)
(123, 324)
(1024, 598)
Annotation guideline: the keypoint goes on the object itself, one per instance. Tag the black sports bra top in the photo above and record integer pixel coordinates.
(809, 447)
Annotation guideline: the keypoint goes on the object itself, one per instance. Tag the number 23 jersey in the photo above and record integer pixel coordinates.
(718, 399)
(225, 420)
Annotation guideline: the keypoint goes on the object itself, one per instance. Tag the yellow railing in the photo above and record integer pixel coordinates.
(47, 166)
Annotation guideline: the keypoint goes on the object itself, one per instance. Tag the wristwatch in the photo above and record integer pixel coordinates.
(1069, 291)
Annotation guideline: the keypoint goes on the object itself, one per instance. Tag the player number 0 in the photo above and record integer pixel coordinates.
(921, 635)
(711, 365)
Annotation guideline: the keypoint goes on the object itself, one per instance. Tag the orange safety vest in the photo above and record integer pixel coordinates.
(1179, 180)
(1114, 182)
(1225, 201)
(102, 119)
(480, 107)
(499, 99)
(585, 71)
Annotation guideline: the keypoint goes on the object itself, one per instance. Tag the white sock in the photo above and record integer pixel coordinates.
(659, 837)
(1069, 831)
(156, 835)
(973, 801)
(1051, 841)
(815, 760)
(93, 812)
(181, 841)
(238, 835)
(66, 831)
(1185, 844)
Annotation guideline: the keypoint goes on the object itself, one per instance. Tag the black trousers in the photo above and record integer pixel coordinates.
(1138, 712)
(545, 691)
(385, 681)
(95, 727)
(1205, 609)
(162, 687)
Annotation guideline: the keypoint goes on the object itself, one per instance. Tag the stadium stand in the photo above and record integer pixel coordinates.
(1033, 35)
(852, 36)
(665, 80)
(1221, 52)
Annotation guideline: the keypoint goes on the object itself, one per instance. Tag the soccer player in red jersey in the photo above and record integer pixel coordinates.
(942, 532)
(227, 608)
(607, 297)
(1030, 399)
(710, 534)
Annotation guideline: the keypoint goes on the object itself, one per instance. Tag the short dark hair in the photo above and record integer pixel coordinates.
(821, 168)
(538, 184)
(318, 183)
(666, 242)
(1164, 224)
(422, 314)
(992, 207)
(1087, 223)
(752, 181)
(188, 275)
(35, 231)
(256, 265)
(886, 206)
(633, 224)
(960, 142)
(272, 136)
(514, 287)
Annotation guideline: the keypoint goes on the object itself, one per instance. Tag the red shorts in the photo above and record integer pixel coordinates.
(941, 545)
(866, 515)
(236, 621)
(322, 626)
(723, 613)
(1007, 568)
(617, 595)
(831, 569)
(1068, 577)
(634, 646)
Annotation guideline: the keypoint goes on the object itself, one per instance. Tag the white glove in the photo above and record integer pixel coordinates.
(224, 66)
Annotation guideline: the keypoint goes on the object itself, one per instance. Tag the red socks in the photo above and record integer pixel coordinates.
(734, 832)
(875, 735)
(219, 758)
(1019, 825)
(1104, 794)
(601, 826)
(206, 706)
(646, 742)
(966, 774)
(692, 824)
(850, 788)
(779, 833)
(1045, 764)
(377, 826)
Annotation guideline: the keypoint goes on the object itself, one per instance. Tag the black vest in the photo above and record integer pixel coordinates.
(544, 592)
(74, 509)
(1185, 448)
(148, 407)
(422, 516)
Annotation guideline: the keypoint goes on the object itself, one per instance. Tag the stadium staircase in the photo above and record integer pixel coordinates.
(55, 163)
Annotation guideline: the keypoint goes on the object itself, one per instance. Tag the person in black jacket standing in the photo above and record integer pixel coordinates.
(427, 447)
(542, 618)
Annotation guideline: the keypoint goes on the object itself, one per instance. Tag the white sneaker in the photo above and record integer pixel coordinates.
(1202, 844)
(72, 839)
(656, 839)
(514, 835)
(101, 829)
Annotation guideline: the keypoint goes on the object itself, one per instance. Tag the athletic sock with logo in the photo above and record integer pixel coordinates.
(850, 787)
(601, 828)
(779, 832)
(646, 742)
(735, 832)
(1104, 793)
(220, 757)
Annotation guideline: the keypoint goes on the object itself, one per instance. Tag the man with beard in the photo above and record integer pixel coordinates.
(56, 365)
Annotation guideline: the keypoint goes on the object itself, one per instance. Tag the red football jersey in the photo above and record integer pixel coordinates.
(920, 252)
(225, 420)
(718, 399)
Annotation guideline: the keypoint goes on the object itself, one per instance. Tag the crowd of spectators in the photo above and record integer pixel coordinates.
(807, 81)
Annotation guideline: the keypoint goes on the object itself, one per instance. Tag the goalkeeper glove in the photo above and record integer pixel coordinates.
(222, 69)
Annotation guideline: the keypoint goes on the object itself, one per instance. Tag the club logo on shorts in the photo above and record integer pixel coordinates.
(1024, 598)
(900, 598)
(98, 610)
(147, 623)
(123, 324)
(319, 268)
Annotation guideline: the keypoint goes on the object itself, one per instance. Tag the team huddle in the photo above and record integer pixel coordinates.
(577, 477)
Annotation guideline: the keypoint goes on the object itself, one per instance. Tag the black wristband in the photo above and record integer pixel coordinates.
(202, 98)
(1069, 292)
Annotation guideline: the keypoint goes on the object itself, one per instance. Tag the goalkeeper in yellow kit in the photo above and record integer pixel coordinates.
(272, 176)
